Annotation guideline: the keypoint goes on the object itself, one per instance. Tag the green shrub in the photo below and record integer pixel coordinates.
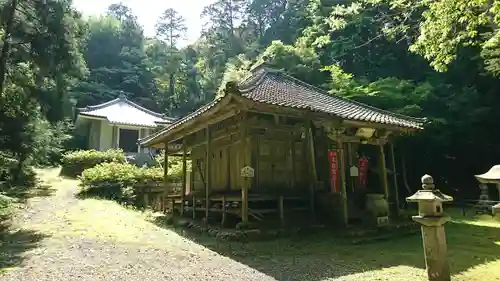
(15, 173)
(7, 164)
(75, 162)
(116, 181)
(5, 207)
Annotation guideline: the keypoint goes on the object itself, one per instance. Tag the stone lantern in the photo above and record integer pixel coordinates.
(432, 219)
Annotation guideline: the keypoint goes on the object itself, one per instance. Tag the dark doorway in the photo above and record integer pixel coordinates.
(128, 140)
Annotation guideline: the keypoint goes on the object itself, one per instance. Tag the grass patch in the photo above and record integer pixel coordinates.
(473, 245)
(473, 250)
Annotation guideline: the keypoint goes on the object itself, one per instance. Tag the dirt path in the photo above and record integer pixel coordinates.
(59, 237)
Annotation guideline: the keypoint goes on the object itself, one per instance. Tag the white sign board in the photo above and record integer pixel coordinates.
(354, 171)
(247, 172)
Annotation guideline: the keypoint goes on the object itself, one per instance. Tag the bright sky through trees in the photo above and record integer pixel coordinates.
(148, 11)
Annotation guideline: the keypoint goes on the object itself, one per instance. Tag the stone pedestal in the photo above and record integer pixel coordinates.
(435, 249)
(432, 220)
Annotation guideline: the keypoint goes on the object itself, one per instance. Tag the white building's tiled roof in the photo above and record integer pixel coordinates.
(123, 111)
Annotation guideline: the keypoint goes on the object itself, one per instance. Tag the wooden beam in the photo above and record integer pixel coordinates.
(165, 166)
(225, 107)
(350, 154)
(291, 147)
(194, 207)
(165, 171)
(245, 162)
(312, 163)
(353, 139)
(378, 126)
(343, 188)
(383, 172)
(395, 178)
(184, 174)
(224, 213)
(281, 210)
(208, 172)
(201, 124)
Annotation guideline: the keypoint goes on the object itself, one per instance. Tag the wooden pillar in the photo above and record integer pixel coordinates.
(312, 162)
(194, 207)
(165, 165)
(184, 174)
(165, 174)
(208, 171)
(291, 146)
(343, 188)
(224, 214)
(145, 198)
(350, 154)
(281, 210)
(244, 162)
(395, 179)
(114, 137)
(383, 172)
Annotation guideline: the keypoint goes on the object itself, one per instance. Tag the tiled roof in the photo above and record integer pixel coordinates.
(123, 111)
(271, 86)
(181, 121)
(275, 87)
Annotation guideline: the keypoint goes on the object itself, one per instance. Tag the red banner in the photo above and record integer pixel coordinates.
(363, 170)
(334, 169)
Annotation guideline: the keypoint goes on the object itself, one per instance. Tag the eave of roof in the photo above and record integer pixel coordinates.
(261, 87)
(258, 77)
(150, 140)
(148, 118)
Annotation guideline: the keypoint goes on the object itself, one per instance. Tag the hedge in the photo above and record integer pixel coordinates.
(75, 162)
(116, 181)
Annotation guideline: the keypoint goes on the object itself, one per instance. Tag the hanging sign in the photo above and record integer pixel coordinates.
(354, 171)
(363, 170)
(247, 172)
(334, 169)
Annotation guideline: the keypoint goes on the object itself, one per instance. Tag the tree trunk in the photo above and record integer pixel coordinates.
(405, 175)
(4, 56)
(172, 85)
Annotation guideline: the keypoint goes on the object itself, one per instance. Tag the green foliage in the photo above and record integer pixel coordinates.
(5, 207)
(381, 52)
(7, 164)
(75, 162)
(116, 181)
(174, 166)
(40, 50)
(50, 141)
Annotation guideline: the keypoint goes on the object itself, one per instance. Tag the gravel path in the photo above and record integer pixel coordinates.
(70, 239)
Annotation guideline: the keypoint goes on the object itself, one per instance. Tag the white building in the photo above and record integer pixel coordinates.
(119, 123)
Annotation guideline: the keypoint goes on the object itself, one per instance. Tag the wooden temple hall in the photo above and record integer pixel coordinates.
(274, 144)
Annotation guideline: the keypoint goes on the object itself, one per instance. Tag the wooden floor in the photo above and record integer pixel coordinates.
(226, 203)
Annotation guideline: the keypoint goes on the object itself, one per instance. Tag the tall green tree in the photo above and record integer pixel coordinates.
(40, 59)
(121, 67)
(171, 28)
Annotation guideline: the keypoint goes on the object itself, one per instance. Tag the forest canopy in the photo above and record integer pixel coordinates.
(439, 59)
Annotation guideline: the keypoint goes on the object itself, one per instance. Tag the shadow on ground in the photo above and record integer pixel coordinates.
(22, 194)
(14, 244)
(324, 256)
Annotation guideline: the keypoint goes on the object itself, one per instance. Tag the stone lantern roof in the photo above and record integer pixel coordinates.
(429, 192)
